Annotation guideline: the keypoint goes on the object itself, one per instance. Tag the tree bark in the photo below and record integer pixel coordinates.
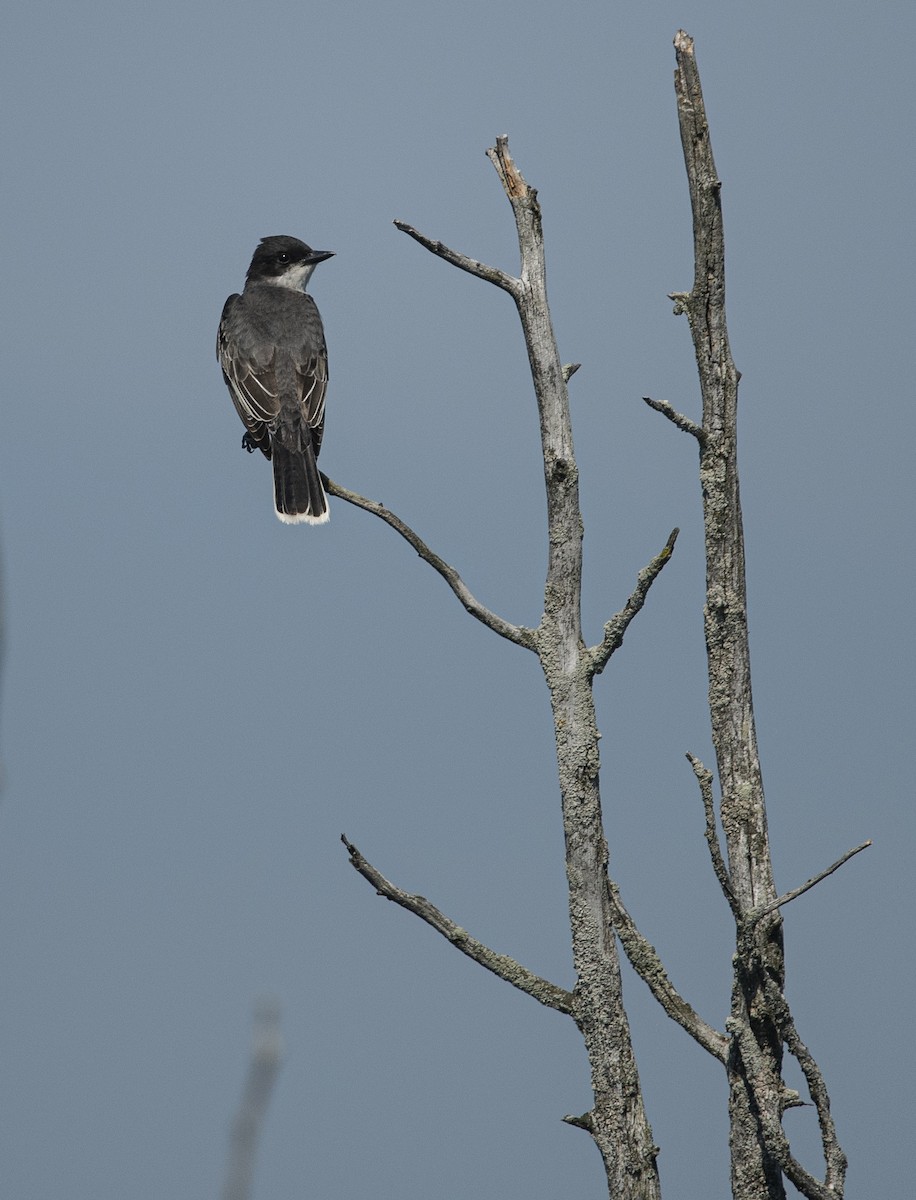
(617, 1120)
(755, 1173)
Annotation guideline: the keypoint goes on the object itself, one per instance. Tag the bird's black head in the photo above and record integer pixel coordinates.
(284, 261)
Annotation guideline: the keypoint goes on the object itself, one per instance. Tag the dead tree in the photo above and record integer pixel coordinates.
(760, 1027)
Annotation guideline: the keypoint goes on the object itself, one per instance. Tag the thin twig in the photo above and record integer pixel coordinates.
(704, 779)
(676, 418)
(615, 629)
(648, 966)
(490, 274)
(519, 634)
(764, 909)
(506, 968)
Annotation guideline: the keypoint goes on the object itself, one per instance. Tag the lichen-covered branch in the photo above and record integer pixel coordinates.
(834, 1157)
(506, 968)
(615, 629)
(704, 779)
(644, 959)
(760, 1023)
(755, 1172)
(676, 418)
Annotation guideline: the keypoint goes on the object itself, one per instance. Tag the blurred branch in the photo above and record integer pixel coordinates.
(506, 968)
(264, 1065)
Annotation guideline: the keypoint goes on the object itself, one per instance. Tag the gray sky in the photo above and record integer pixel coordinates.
(197, 701)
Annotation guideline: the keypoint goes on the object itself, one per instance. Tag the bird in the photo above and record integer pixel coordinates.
(274, 359)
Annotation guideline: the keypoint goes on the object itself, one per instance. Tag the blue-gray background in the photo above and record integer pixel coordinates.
(197, 701)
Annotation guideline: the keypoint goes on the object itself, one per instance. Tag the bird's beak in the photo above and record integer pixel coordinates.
(318, 256)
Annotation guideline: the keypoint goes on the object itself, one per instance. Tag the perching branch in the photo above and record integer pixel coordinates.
(513, 633)
(506, 968)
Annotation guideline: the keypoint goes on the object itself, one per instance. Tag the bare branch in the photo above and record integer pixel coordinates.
(506, 968)
(648, 966)
(704, 779)
(569, 369)
(490, 274)
(764, 909)
(615, 629)
(676, 418)
(513, 633)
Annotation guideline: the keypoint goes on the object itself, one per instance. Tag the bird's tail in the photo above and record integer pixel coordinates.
(298, 491)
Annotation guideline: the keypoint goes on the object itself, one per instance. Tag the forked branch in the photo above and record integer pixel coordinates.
(617, 1121)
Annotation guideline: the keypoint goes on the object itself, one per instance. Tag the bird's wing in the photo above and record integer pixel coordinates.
(249, 368)
(311, 367)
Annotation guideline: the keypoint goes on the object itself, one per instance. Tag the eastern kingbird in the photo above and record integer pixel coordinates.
(275, 364)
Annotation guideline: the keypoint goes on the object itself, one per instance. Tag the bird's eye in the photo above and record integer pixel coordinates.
(283, 257)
